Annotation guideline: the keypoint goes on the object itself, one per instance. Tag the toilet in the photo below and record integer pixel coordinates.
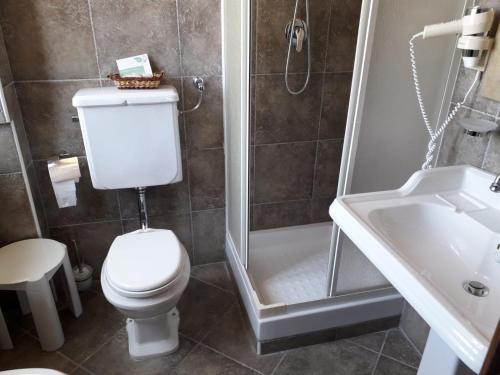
(143, 276)
(131, 139)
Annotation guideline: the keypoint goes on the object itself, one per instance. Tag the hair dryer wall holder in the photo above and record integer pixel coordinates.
(483, 44)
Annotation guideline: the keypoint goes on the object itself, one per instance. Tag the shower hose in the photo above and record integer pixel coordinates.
(290, 48)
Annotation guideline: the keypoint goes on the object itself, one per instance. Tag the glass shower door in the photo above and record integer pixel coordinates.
(300, 85)
(235, 24)
(386, 140)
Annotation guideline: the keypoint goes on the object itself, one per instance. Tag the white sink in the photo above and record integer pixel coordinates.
(439, 230)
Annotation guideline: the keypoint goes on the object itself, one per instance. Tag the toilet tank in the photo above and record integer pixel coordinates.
(131, 137)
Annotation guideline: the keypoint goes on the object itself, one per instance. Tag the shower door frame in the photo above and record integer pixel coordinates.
(354, 120)
(279, 320)
(359, 81)
(244, 199)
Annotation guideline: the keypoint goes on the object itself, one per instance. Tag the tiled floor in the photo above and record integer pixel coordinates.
(215, 339)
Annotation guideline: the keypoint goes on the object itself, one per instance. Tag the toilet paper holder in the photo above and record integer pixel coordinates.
(64, 173)
(55, 158)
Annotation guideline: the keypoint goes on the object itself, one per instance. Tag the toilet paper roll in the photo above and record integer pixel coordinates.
(64, 169)
(63, 175)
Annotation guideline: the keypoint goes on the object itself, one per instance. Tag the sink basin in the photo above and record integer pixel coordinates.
(429, 238)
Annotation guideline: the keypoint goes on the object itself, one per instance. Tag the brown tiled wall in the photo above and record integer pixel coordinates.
(296, 141)
(16, 217)
(458, 148)
(56, 47)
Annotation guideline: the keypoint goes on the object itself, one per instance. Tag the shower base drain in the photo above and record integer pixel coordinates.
(476, 288)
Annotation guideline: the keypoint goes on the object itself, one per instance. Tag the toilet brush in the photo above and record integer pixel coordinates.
(82, 271)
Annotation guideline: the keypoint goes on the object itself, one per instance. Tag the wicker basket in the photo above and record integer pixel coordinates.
(137, 82)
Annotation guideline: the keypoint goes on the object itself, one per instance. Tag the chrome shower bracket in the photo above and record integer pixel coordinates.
(199, 85)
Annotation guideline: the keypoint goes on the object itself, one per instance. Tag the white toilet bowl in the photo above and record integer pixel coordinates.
(143, 276)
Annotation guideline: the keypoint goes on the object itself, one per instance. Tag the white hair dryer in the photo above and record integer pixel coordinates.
(476, 46)
(474, 40)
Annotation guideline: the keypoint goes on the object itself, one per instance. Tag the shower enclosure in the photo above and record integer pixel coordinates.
(318, 102)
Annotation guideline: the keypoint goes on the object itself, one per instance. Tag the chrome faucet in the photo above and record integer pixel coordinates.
(495, 185)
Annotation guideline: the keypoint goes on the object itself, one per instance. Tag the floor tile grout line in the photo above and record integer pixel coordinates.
(184, 358)
(410, 341)
(200, 342)
(76, 364)
(28, 333)
(360, 345)
(231, 358)
(282, 359)
(213, 285)
(380, 353)
(107, 341)
(220, 320)
(398, 361)
(210, 330)
(83, 368)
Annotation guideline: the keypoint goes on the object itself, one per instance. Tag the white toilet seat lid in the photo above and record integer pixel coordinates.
(141, 261)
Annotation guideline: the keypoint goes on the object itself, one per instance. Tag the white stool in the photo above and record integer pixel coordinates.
(27, 267)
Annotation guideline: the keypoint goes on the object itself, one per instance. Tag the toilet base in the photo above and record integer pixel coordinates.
(153, 337)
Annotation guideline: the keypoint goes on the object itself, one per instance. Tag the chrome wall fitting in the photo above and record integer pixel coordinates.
(143, 211)
(300, 26)
(199, 84)
(495, 185)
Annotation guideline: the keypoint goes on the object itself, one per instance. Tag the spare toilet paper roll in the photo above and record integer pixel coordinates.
(63, 175)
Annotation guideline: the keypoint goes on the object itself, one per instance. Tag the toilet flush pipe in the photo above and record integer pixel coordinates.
(143, 211)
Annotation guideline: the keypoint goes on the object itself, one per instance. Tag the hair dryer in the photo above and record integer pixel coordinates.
(474, 28)
(476, 46)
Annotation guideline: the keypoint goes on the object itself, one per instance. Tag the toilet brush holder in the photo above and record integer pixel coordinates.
(83, 277)
(82, 272)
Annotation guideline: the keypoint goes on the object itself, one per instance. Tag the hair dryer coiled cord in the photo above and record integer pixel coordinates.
(434, 135)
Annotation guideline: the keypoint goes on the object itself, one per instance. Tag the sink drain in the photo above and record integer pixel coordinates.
(476, 288)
